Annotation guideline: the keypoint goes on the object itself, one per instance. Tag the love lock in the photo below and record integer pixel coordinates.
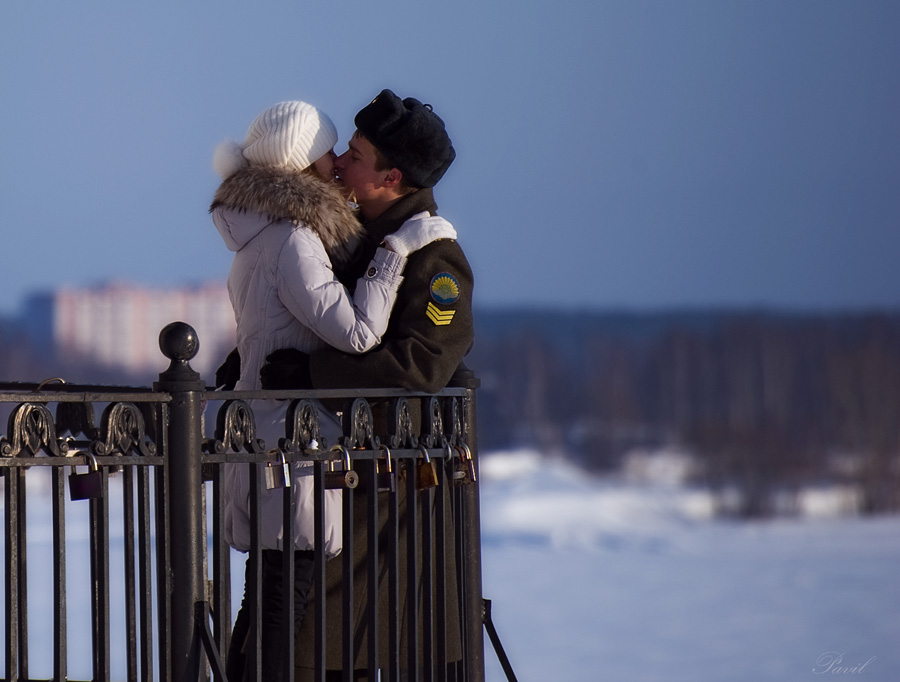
(426, 471)
(88, 486)
(459, 474)
(278, 473)
(347, 478)
(387, 479)
(465, 469)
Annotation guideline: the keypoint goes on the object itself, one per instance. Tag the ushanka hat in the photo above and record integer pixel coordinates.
(410, 135)
(290, 135)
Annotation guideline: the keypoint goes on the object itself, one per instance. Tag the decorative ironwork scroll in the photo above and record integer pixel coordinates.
(30, 430)
(359, 426)
(453, 420)
(235, 430)
(400, 429)
(432, 423)
(301, 427)
(122, 430)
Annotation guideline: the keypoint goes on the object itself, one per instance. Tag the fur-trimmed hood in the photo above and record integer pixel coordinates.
(297, 197)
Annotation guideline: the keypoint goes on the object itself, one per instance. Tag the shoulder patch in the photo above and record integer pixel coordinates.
(444, 288)
(441, 318)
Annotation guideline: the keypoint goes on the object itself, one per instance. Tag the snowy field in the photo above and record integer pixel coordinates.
(598, 580)
(595, 579)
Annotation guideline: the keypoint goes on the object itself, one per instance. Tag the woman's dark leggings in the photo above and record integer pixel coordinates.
(273, 615)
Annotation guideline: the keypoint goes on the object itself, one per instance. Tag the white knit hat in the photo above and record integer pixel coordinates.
(288, 135)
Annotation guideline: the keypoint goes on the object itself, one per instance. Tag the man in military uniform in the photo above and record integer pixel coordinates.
(398, 154)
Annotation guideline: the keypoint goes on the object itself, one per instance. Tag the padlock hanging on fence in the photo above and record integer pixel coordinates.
(464, 471)
(278, 473)
(387, 479)
(87, 486)
(426, 471)
(347, 478)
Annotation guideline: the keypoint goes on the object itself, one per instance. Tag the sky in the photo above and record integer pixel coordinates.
(622, 154)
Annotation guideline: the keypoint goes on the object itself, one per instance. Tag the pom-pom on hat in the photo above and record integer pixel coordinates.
(410, 135)
(288, 135)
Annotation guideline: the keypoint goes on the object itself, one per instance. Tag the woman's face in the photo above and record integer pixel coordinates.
(324, 165)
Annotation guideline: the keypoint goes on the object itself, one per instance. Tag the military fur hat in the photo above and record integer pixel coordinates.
(410, 135)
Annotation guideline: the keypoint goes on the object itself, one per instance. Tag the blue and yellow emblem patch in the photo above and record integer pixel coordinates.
(440, 317)
(444, 288)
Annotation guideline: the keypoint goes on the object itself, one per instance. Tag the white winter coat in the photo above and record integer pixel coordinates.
(285, 295)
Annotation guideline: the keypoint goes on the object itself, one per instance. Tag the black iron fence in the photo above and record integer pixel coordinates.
(150, 470)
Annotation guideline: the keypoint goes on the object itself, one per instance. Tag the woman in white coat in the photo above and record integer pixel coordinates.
(287, 223)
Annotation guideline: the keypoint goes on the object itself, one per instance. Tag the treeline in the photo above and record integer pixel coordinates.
(765, 402)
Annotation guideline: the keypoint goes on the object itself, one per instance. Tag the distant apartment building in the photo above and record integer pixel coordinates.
(117, 325)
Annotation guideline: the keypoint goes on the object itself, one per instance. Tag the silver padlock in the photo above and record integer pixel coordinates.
(86, 486)
(347, 478)
(278, 473)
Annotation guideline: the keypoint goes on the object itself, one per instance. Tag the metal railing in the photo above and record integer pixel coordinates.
(149, 466)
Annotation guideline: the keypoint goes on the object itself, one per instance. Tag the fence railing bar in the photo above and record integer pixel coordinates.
(288, 570)
(145, 577)
(459, 519)
(22, 560)
(202, 617)
(321, 394)
(372, 559)
(440, 614)
(221, 614)
(471, 603)
(318, 607)
(99, 542)
(427, 498)
(60, 624)
(11, 537)
(393, 577)
(163, 557)
(412, 591)
(348, 648)
(138, 396)
(495, 641)
(131, 636)
(102, 462)
(254, 587)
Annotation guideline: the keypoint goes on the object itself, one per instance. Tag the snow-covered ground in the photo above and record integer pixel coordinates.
(627, 579)
(610, 580)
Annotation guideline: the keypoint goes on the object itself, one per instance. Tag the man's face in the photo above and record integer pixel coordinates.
(356, 169)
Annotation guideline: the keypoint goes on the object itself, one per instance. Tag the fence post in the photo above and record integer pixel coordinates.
(185, 581)
(474, 599)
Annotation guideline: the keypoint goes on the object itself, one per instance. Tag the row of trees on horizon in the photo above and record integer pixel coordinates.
(764, 403)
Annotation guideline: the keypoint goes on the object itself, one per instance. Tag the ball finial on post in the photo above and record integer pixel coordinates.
(178, 341)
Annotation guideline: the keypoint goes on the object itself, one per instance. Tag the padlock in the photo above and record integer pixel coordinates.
(465, 473)
(459, 467)
(86, 486)
(387, 479)
(278, 473)
(426, 471)
(341, 479)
